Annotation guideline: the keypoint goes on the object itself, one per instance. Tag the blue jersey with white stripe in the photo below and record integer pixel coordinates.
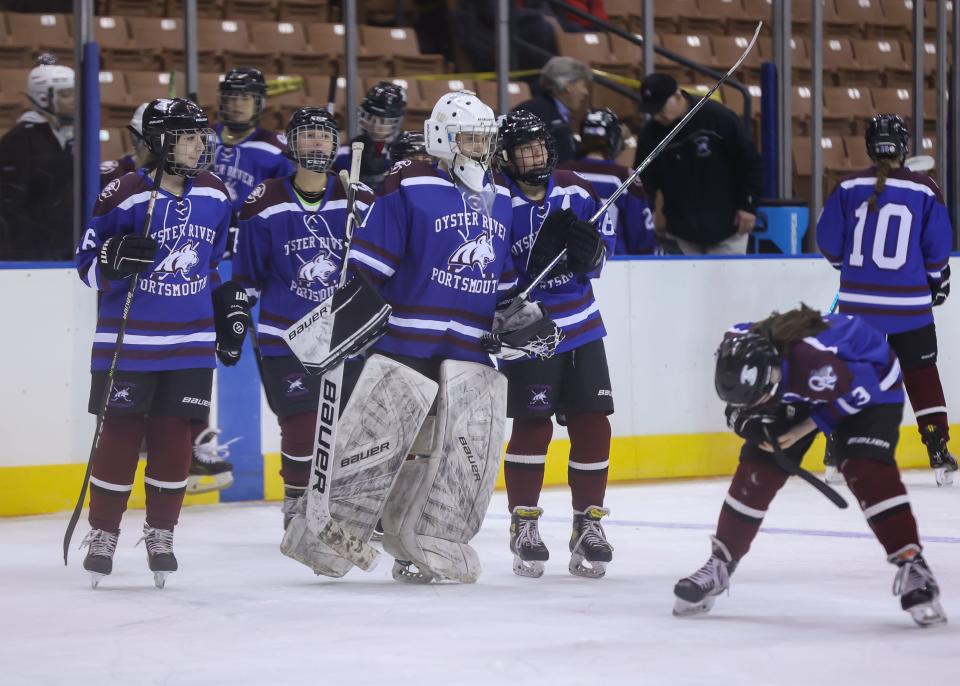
(839, 371)
(242, 166)
(170, 324)
(569, 300)
(631, 214)
(289, 254)
(441, 257)
(886, 257)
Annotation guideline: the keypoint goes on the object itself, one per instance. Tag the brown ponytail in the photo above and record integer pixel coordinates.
(884, 165)
(786, 329)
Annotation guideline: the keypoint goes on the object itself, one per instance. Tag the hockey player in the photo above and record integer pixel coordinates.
(180, 317)
(290, 256)
(409, 145)
(787, 377)
(601, 142)
(246, 154)
(574, 384)
(133, 160)
(380, 116)
(888, 232)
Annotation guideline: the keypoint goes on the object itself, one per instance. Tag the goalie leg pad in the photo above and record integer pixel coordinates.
(303, 546)
(438, 503)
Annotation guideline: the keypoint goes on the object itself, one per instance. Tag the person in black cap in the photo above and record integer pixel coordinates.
(709, 175)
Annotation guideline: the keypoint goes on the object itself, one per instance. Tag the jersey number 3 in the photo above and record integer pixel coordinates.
(888, 211)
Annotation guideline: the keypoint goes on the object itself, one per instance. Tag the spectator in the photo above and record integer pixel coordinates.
(473, 26)
(36, 170)
(574, 24)
(709, 175)
(564, 82)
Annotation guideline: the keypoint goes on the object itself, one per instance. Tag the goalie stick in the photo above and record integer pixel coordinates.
(108, 387)
(795, 469)
(525, 294)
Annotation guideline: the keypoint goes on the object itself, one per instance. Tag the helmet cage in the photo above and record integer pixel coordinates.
(379, 128)
(307, 154)
(174, 162)
(225, 106)
(534, 175)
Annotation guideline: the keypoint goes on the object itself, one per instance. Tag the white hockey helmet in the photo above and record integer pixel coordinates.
(462, 132)
(43, 84)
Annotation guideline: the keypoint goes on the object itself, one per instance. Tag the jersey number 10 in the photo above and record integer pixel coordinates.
(899, 257)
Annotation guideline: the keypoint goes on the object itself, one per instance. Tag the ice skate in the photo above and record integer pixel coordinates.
(99, 560)
(588, 544)
(291, 495)
(160, 555)
(696, 593)
(942, 462)
(529, 551)
(209, 468)
(377, 534)
(832, 474)
(407, 572)
(918, 590)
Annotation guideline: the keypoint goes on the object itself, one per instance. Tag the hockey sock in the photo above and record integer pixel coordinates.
(168, 463)
(114, 466)
(525, 459)
(926, 397)
(296, 448)
(754, 486)
(883, 498)
(589, 458)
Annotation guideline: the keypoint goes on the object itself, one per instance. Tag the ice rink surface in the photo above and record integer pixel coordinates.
(811, 604)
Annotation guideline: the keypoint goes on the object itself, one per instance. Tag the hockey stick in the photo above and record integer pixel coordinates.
(108, 387)
(525, 294)
(317, 510)
(795, 469)
(833, 305)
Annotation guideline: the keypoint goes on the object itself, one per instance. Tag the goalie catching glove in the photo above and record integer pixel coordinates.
(522, 329)
(232, 319)
(563, 230)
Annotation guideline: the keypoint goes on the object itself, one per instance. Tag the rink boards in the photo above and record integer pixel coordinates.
(664, 318)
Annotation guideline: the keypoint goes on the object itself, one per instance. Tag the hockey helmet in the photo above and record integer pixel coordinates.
(313, 138)
(744, 373)
(45, 84)
(462, 132)
(183, 129)
(407, 145)
(534, 165)
(240, 87)
(380, 115)
(601, 131)
(887, 137)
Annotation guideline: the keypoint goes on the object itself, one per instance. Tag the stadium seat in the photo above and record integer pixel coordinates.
(431, 91)
(727, 50)
(857, 151)
(144, 86)
(847, 19)
(116, 108)
(164, 39)
(845, 110)
(400, 45)
(625, 52)
(288, 43)
(623, 13)
(250, 10)
(694, 47)
(589, 48)
(112, 143)
(116, 50)
(517, 92)
(840, 60)
(206, 9)
(714, 17)
(302, 10)
(666, 14)
(12, 100)
(885, 56)
(801, 109)
(231, 39)
(28, 35)
(136, 8)
(328, 39)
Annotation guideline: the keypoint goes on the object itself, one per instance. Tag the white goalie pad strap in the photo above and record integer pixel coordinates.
(438, 503)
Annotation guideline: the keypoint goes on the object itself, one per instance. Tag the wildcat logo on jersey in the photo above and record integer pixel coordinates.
(256, 194)
(539, 397)
(473, 252)
(121, 394)
(822, 379)
(319, 269)
(295, 384)
(181, 260)
(703, 146)
(110, 189)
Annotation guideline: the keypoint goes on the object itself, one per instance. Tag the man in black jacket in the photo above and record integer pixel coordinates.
(709, 175)
(565, 82)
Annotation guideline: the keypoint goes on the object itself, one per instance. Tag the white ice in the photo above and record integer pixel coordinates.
(811, 604)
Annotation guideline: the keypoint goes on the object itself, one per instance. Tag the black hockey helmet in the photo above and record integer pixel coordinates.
(745, 367)
(408, 144)
(307, 130)
(516, 129)
(381, 112)
(601, 131)
(238, 83)
(184, 129)
(887, 137)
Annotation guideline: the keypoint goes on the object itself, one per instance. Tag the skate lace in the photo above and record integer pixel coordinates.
(911, 576)
(100, 542)
(714, 573)
(158, 541)
(592, 535)
(528, 534)
(207, 449)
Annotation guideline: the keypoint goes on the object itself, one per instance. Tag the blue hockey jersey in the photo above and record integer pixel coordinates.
(259, 156)
(886, 257)
(441, 258)
(840, 371)
(171, 320)
(114, 169)
(289, 254)
(569, 300)
(631, 214)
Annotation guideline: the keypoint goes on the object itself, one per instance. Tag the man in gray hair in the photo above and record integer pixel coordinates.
(564, 82)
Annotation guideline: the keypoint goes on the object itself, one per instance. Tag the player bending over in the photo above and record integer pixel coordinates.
(793, 374)
(551, 210)
(888, 232)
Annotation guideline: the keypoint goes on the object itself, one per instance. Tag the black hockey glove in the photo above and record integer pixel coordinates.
(123, 256)
(584, 248)
(748, 423)
(940, 290)
(232, 319)
(550, 240)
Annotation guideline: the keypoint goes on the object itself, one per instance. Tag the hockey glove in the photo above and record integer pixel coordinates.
(748, 423)
(232, 319)
(123, 256)
(522, 330)
(940, 289)
(550, 240)
(585, 249)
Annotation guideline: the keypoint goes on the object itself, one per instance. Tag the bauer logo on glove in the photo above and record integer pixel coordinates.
(522, 329)
(232, 319)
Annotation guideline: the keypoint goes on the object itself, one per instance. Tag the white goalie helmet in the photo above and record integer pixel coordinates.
(43, 84)
(462, 131)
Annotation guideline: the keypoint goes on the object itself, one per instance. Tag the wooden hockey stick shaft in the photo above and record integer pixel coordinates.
(795, 469)
(108, 387)
(646, 162)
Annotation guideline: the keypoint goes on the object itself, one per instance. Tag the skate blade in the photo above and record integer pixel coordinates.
(532, 569)
(588, 569)
(928, 614)
(208, 483)
(943, 476)
(405, 572)
(160, 579)
(684, 608)
(833, 476)
(95, 579)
